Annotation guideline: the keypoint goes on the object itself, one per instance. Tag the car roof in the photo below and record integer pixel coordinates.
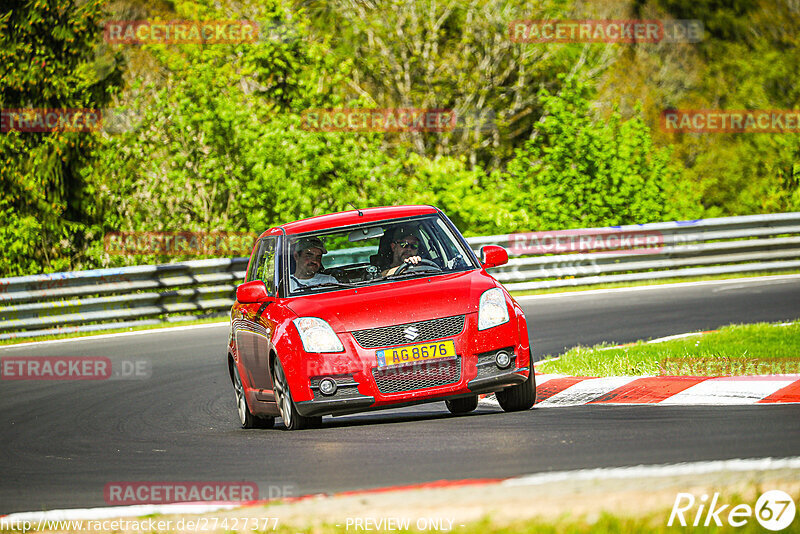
(346, 218)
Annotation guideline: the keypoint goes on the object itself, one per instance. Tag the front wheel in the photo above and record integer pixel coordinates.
(247, 419)
(463, 405)
(520, 397)
(292, 419)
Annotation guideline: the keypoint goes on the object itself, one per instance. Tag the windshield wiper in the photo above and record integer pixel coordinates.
(411, 274)
(330, 284)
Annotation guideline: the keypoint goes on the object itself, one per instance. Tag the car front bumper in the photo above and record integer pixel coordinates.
(363, 385)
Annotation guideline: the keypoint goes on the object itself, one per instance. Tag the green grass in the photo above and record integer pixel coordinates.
(631, 519)
(731, 276)
(760, 348)
(112, 331)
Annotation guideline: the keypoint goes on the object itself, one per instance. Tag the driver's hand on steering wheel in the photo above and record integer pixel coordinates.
(411, 260)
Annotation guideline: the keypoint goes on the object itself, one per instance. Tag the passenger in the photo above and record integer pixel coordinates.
(307, 254)
(404, 246)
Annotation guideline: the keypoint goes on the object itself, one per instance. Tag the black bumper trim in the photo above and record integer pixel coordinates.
(491, 384)
(333, 406)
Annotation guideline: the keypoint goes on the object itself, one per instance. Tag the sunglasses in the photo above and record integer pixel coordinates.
(406, 244)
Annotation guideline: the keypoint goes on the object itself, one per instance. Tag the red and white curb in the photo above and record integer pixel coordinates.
(563, 390)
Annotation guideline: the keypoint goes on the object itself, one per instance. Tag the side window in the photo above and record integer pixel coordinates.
(265, 266)
(251, 268)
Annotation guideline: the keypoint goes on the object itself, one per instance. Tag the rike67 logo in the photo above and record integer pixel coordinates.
(774, 510)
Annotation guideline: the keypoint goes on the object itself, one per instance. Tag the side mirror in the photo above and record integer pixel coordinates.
(252, 292)
(493, 256)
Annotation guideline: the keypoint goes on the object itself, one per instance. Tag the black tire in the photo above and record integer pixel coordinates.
(462, 405)
(266, 421)
(246, 418)
(292, 419)
(518, 398)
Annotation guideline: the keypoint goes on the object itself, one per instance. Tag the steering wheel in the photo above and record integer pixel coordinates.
(422, 263)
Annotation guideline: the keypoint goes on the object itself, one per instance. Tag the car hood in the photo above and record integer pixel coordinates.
(398, 302)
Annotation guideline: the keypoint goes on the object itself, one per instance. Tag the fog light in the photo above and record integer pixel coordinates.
(502, 359)
(327, 386)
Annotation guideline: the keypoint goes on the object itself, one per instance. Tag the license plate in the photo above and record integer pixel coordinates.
(421, 352)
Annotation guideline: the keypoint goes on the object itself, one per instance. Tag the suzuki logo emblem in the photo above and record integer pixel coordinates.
(411, 333)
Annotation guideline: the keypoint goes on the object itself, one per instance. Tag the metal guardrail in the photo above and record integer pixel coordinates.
(32, 306)
(39, 305)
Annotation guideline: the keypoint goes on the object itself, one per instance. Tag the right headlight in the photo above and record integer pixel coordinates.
(317, 335)
(492, 310)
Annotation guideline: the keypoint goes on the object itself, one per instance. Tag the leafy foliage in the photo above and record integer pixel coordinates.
(550, 135)
(48, 60)
(580, 172)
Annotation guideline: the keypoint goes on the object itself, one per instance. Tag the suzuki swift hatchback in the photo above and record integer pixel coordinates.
(369, 309)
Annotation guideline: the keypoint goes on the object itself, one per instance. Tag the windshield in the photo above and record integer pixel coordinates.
(376, 253)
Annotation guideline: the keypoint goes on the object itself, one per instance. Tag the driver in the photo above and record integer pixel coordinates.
(404, 247)
(308, 259)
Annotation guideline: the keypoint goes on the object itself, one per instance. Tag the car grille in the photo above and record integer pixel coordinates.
(342, 392)
(418, 376)
(388, 336)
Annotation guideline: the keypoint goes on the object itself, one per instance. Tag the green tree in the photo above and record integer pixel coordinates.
(456, 55)
(581, 171)
(220, 143)
(48, 60)
(748, 59)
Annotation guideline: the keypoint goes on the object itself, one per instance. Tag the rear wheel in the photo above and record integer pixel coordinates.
(520, 397)
(292, 419)
(247, 419)
(463, 405)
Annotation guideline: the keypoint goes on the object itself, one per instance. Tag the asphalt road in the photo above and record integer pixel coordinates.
(63, 441)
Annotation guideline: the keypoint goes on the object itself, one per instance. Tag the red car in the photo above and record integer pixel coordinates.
(369, 309)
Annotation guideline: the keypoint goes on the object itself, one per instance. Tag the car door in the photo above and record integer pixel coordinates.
(254, 327)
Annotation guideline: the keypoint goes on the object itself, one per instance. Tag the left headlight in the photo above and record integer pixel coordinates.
(317, 335)
(492, 310)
